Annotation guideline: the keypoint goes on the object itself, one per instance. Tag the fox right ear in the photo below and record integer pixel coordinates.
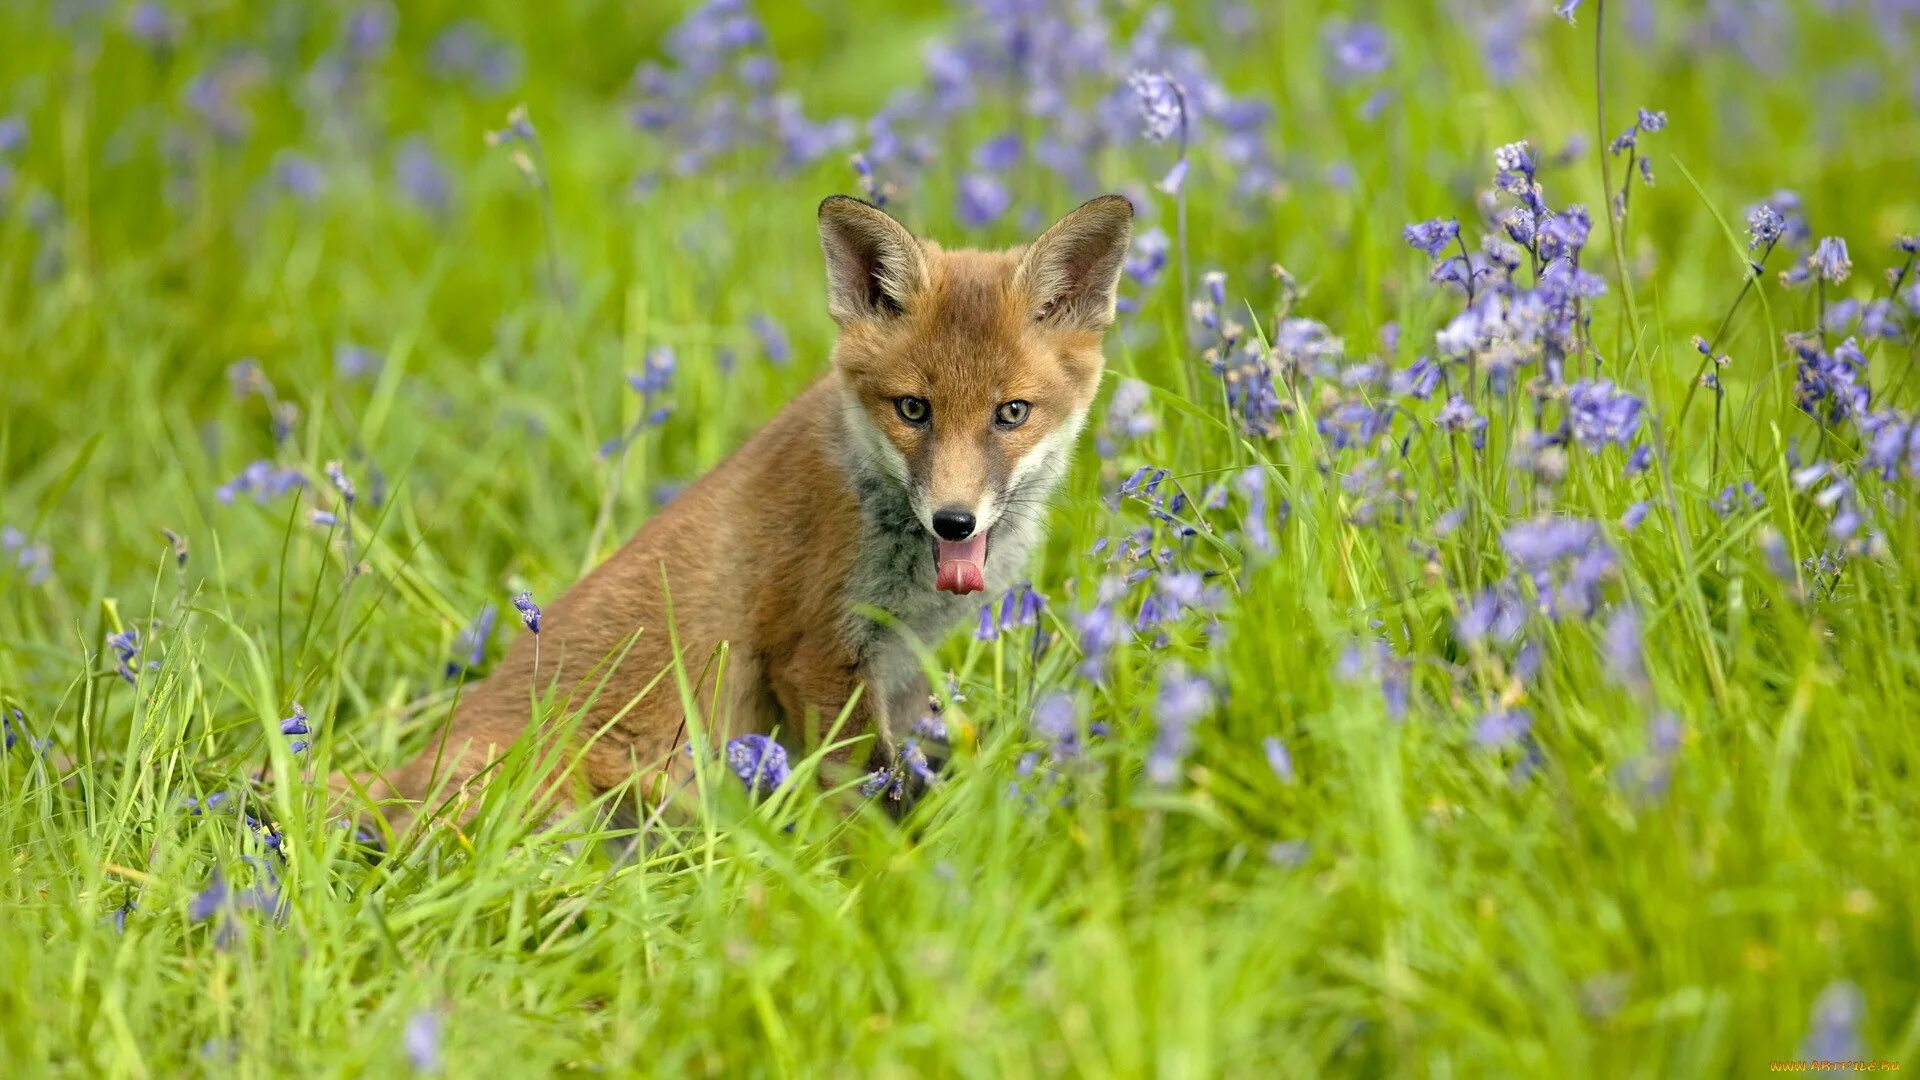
(874, 265)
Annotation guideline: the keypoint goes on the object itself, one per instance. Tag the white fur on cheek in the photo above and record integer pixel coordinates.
(1042, 467)
(872, 443)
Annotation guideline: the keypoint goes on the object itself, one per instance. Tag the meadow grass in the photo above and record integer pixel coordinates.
(1667, 832)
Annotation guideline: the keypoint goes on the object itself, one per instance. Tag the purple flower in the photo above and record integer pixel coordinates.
(1834, 1031)
(1492, 615)
(1600, 413)
(1433, 235)
(299, 175)
(983, 198)
(1564, 234)
(13, 135)
(1567, 560)
(759, 762)
(773, 340)
(1829, 261)
(989, 629)
(1161, 104)
(999, 153)
(1056, 719)
(1357, 49)
(337, 476)
(35, 558)
(470, 646)
(1458, 415)
(1565, 9)
(369, 30)
(1148, 256)
(1734, 497)
(529, 611)
(421, 175)
(1829, 386)
(1625, 660)
(1502, 728)
(1278, 759)
(1764, 226)
(1183, 699)
(153, 25)
(263, 480)
(125, 646)
(1635, 514)
(1514, 168)
(297, 723)
(422, 1039)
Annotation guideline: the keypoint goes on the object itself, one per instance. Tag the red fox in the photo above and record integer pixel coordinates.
(910, 476)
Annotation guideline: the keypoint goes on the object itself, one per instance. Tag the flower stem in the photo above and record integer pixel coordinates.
(1615, 227)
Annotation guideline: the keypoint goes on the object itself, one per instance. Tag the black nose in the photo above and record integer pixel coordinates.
(951, 523)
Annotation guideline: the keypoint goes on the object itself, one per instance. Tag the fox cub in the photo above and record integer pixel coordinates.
(911, 475)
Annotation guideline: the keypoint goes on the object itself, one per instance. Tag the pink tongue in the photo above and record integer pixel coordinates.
(962, 567)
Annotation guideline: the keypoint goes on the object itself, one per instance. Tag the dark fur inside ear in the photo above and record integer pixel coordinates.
(874, 265)
(1071, 275)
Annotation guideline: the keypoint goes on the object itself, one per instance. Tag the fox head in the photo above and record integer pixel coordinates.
(968, 374)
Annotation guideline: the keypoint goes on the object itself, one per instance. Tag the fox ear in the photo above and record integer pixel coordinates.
(1070, 274)
(874, 265)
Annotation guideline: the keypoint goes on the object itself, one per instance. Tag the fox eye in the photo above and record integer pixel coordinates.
(914, 410)
(1012, 414)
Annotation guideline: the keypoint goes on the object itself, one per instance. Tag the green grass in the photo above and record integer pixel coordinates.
(1436, 908)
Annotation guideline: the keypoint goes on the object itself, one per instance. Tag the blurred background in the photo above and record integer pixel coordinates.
(327, 328)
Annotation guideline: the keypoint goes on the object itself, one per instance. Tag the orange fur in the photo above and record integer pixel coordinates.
(824, 510)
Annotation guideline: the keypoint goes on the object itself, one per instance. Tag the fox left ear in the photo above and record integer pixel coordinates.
(1072, 273)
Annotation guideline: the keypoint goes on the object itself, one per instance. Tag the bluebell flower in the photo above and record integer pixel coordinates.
(1734, 497)
(1764, 226)
(1566, 558)
(1830, 386)
(998, 154)
(773, 340)
(153, 25)
(1458, 415)
(1182, 700)
(1278, 759)
(1833, 1033)
(299, 175)
(1495, 614)
(982, 199)
(1161, 104)
(1565, 9)
(297, 723)
(1625, 659)
(34, 558)
(422, 1040)
(759, 762)
(1502, 728)
(1514, 170)
(422, 176)
(1829, 261)
(1056, 719)
(1600, 413)
(1357, 49)
(470, 646)
(1147, 256)
(337, 475)
(1564, 235)
(529, 611)
(263, 480)
(125, 646)
(1433, 236)
(1635, 514)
